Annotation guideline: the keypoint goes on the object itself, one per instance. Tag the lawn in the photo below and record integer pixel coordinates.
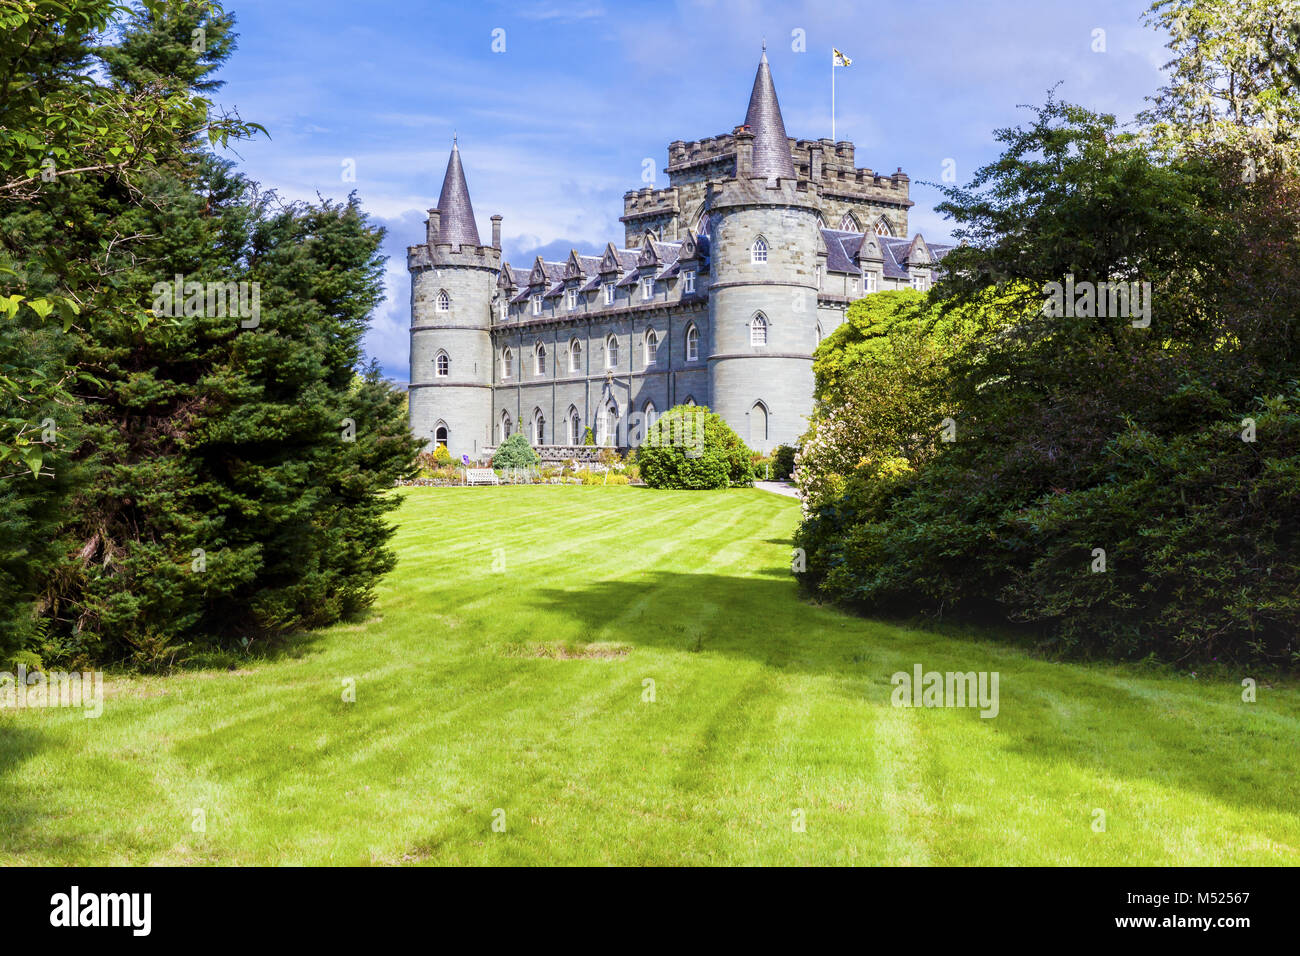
(503, 677)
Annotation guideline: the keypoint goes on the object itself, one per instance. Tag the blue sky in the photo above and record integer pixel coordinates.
(555, 129)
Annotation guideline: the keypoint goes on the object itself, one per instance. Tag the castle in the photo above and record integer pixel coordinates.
(726, 281)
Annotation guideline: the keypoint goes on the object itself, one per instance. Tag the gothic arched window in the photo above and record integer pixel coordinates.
(575, 426)
(611, 352)
(758, 330)
(849, 223)
(651, 347)
(541, 359)
(882, 227)
(443, 365)
(758, 423)
(507, 363)
(758, 251)
(575, 356)
(692, 344)
(539, 427)
(444, 301)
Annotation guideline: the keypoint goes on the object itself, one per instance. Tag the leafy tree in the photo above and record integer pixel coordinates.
(691, 447)
(515, 452)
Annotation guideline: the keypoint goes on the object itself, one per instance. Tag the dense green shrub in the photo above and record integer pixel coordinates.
(1082, 434)
(515, 452)
(588, 437)
(783, 462)
(691, 447)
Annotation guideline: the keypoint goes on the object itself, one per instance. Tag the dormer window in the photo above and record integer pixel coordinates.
(648, 287)
(573, 299)
(609, 293)
(537, 304)
(444, 301)
(758, 251)
(688, 281)
(920, 283)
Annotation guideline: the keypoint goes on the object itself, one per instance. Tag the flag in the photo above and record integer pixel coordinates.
(839, 59)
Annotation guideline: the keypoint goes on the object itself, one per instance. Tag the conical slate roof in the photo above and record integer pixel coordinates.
(771, 147)
(455, 214)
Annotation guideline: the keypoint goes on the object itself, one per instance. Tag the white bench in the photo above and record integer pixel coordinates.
(481, 476)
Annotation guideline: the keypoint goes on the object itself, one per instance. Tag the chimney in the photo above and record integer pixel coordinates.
(431, 228)
(744, 152)
(496, 231)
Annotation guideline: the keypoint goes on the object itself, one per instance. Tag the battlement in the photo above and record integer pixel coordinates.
(746, 191)
(425, 256)
(683, 154)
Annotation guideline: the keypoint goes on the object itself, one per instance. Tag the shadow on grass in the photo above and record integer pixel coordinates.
(19, 812)
(1111, 720)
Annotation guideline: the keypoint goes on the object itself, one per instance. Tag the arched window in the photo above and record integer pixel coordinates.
(440, 434)
(882, 227)
(651, 416)
(849, 223)
(507, 363)
(651, 347)
(575, 426)
(758, 330)
(690, 400)
(444, 301)
(821, 223)
(443, 365)
(702, 225)
(541, 359)
(758, 251)
(575, 356)
(819, 333)
(758, 423)
(539, 427)
(505, 425)
(611, 352)
(692, 344)
(607, 425)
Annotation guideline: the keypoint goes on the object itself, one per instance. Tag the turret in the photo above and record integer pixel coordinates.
(763, 296)
(453, 279)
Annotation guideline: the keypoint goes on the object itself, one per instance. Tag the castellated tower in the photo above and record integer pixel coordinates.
(763, 297)
(453, 279)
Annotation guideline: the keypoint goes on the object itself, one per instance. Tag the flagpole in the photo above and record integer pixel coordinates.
(832, 97)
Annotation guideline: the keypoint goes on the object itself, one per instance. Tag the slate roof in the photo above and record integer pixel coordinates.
(771, 146)
(455, 214)
(842, 249)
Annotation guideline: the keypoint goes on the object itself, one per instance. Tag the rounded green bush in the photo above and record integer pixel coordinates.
(691, 447)
(515, 452)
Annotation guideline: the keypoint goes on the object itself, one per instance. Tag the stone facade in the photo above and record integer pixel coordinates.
(724, 285)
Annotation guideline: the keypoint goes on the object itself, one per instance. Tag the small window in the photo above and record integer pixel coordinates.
(651, 347)
(648, 287)
(539, 427)
(573, 299)
(507, 364)
(758, 330)
(541, 359)
(848, 223)
(758, 251)
(871, 282)
(692, 344)
(505, 425)
(882, 227)
(609, 293)
(537, 305)
(575, 356)
(575, 426)
(444, 301)
(443, 365)
(688, 281)
(440, 434)
(920, 283)
(611, 352)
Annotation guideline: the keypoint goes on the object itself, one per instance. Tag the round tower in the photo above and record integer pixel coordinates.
(762, 291)
(453, 279)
